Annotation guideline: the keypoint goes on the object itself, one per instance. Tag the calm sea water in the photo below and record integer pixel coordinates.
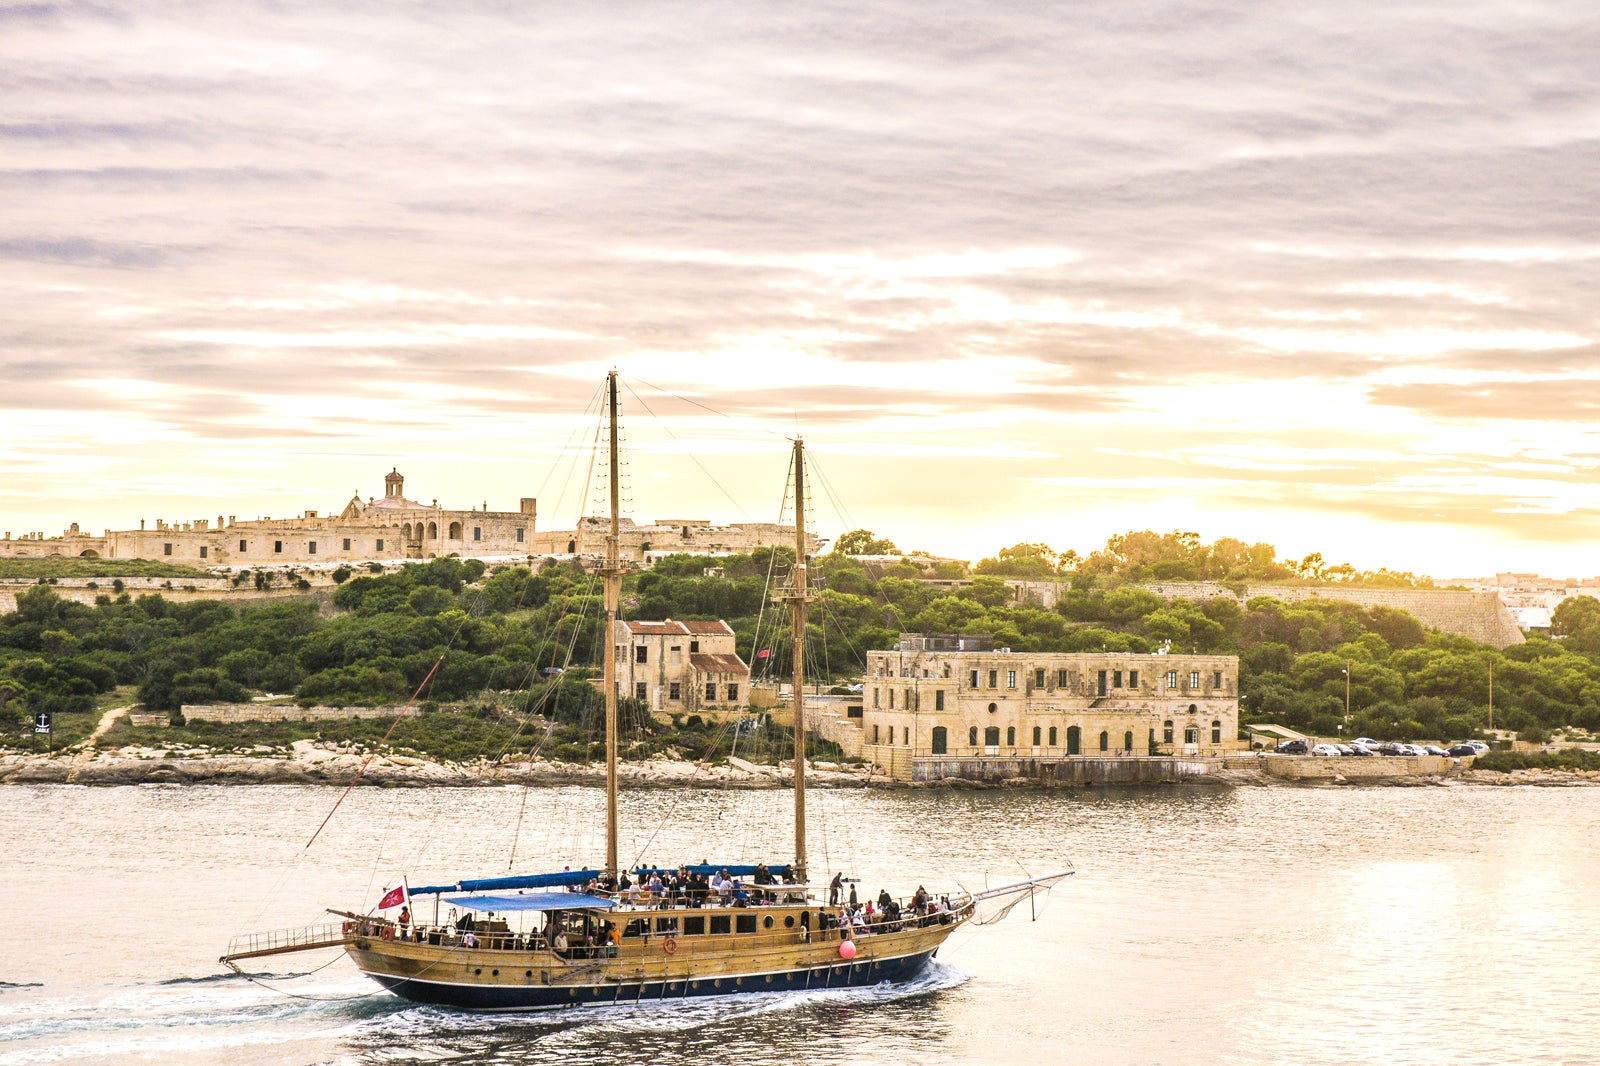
(1422, 925)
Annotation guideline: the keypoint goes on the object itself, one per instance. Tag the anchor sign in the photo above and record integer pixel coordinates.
(41, 722)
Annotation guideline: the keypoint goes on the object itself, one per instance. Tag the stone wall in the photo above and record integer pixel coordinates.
(1062, 772)
(281, 712)
(220, 589)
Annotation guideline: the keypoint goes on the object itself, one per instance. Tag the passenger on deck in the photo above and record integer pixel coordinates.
(404, 921)
(763, 876)
(884, 899)
(721, 884)
(835, 887)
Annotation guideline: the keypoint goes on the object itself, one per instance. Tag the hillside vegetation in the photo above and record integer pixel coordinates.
(501, 640)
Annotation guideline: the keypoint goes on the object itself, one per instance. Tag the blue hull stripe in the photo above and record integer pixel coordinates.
(488, 997)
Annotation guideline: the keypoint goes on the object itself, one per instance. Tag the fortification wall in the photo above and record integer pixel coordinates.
(177, 594)
(279, 712)
(1071, 772)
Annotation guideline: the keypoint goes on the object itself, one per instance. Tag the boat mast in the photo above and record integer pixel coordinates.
(613, 593)
(797, 618)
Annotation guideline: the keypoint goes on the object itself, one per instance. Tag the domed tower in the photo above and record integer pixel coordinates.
(394, 484)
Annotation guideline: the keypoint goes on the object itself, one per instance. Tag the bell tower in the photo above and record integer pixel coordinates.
(394, 484)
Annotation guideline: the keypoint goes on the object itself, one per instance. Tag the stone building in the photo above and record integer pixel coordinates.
(681, 667)
(940, 696)
(667, 536)
(390, 527)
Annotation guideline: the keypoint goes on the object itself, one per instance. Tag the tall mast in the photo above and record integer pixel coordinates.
(797, 617)
(613, 587)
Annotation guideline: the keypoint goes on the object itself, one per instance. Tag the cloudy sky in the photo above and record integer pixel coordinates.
(1321, 274)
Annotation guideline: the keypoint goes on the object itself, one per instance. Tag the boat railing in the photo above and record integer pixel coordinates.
(282, 941)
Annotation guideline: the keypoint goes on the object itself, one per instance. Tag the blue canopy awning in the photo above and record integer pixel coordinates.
(494, 884)
(529, 901)
(708, 868)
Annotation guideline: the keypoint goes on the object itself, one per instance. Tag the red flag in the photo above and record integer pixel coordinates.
(763, 653)
(393, 898)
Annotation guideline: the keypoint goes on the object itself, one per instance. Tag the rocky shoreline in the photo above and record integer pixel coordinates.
(310, 763)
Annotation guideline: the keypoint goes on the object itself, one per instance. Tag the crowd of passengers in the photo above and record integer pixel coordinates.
(684, 887)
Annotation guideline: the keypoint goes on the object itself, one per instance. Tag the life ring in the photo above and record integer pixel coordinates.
(670, 945)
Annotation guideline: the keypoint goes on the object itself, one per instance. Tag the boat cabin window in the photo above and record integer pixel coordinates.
(744, 923)
(637, 927)
(694, 926)
(667, 926)
(721, 923)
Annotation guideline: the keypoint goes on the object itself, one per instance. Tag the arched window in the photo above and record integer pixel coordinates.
(455, 530)
(1216, 732)
(972, 736)
(1052, 736)
(991, 736)
(1074, 740)
(1166, 731)
(1011, 736)
(433, 531)
(1127, 742)
(406, 530)
(940, 743)
(1037, 735)
(572, 547)
(1105, 740)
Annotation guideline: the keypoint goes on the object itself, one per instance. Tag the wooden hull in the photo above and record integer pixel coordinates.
(506, 980)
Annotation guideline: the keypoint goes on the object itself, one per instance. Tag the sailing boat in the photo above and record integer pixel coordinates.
(589, 936)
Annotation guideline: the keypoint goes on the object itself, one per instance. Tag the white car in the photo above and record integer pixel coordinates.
(1326, 749)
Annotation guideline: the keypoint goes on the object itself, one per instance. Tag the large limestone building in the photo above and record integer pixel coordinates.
(939, 696)
(390, 527)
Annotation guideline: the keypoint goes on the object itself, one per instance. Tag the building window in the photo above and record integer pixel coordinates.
(1052, 736)
(1194, 679)
(311, 547)
(1166, 731)
(694, 646)
(911, 699)
(1038, 677)
(1127, 742)
(1061, 678)
(974, 679)
(733, 692)
(907, 736)
(1216, 679)
(641, 654)
(639, 692)
(711, 691)
(1038, 735)
(1172, 679)
(875, 733)
(277, 547)
(991, 737)
(1105, 740)
(677, 654)
(1011, 736)
(675, 690)
(891, 699)
(520, 532)
(380, 544)
(938, 699)
(477, 532)
(204, 551)
(994, 678)
(972, 736)
(1116, 679)
(1074, 740)
(1133, 679)
(1191, 735)
(993, 707)
(941, 743)
(1216, 732)
(1101, 682)
(166, 549)
(1011, 679)
(875, 698)
(241, 546)
(347, 544)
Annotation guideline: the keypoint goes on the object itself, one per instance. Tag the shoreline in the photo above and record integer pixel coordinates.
(311, 764)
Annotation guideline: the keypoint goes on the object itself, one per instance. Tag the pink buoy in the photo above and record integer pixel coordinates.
(847, 949)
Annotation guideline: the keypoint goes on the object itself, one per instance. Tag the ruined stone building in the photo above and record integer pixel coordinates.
(681, 667)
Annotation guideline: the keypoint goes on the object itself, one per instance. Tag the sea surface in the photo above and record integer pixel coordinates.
(1455, 924)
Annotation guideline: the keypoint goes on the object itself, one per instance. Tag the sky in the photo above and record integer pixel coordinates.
(1316, 274)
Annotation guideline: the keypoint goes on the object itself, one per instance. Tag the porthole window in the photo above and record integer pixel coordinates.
(788, 921)
(767, 922)
(494, 973)
(478, 972)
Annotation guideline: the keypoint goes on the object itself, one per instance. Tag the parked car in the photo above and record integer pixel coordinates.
(1345, 749)
(1292, 747)
(1394, 747)
(1361, 749)
(1463, 751)
(1367, 742)
(1433, 749)
(1327, 750)
(1483, 749)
